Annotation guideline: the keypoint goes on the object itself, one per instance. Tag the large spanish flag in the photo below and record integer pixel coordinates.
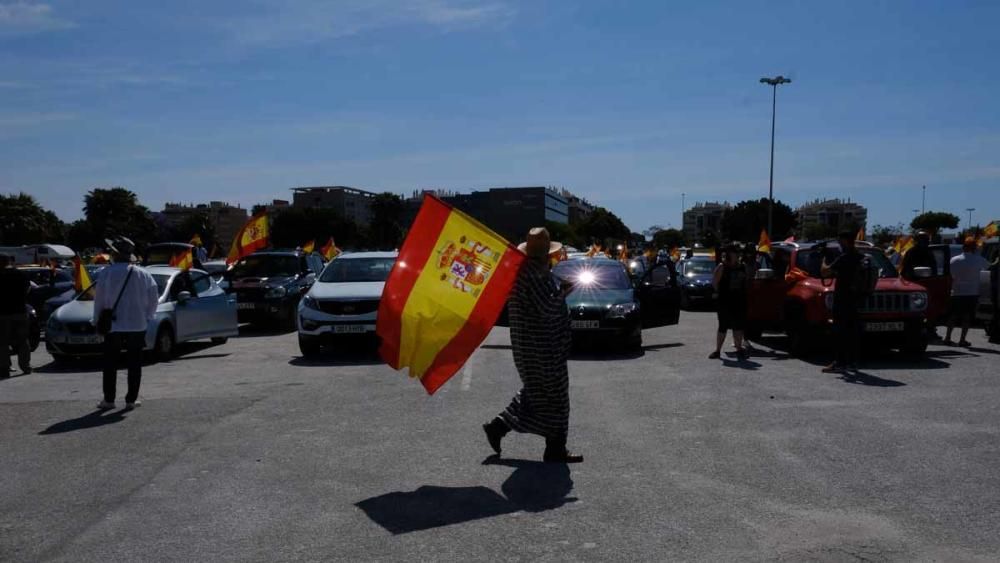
(254, 235)
(444, 294)
(183, 260)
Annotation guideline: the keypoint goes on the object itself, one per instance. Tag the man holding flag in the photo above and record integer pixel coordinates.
(540, 338)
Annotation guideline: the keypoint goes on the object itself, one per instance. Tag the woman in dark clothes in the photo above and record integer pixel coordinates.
(731, 282)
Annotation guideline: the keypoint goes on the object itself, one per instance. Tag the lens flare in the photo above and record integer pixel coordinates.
(587, 278)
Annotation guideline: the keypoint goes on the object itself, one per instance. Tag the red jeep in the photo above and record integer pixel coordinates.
(789, 295)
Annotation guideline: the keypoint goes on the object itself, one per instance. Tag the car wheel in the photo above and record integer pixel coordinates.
(753, 332)
(914, 345)
(60, 359)
(219, 340)
(685, 301)
(634, 343)
(799, 339)
(309, 346)
(163, 350)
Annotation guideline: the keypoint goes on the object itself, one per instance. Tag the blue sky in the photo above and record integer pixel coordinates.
(629, 104)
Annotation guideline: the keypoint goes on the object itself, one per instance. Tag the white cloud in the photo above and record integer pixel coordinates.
(310, 21)
(25, 18)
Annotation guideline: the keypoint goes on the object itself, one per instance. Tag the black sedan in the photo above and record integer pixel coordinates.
(696, 281)
(607, 304)
(269, 284)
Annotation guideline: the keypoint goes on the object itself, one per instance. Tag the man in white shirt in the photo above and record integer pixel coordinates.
(133, 295)
(965, 270)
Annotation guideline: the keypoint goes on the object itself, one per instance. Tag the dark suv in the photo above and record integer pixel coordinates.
(269, 284)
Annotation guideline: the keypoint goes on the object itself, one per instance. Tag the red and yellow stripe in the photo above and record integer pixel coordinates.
(431, 320)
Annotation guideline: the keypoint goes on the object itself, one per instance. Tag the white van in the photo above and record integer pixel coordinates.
(38, 253)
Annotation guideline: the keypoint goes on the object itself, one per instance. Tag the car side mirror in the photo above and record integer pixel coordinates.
(922, 272)
(764, 274)
(183, 297)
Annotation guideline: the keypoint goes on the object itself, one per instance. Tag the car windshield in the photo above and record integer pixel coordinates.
(587, 274)
(266, 266)
(811, 260)
(698, 267)
(357, 270)
(161, 285)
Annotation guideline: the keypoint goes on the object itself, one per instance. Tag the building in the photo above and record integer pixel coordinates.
(350, 203)
(824, 218)
(511, 212)
(704, 218)
(579, 208)
(226, 219)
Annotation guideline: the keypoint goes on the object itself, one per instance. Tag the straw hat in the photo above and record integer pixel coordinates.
(539, 244)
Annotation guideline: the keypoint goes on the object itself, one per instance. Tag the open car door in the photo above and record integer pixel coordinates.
(659, 297)
(938, 285)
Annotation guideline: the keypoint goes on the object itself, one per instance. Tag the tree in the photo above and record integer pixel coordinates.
(386, 228)
(24, 221)
(934, 221)
(604, 227)
(652, 230)
(117, 212)
(747, 219)
(884, 235)
(294, 226)
(198, 223)
(668, 238)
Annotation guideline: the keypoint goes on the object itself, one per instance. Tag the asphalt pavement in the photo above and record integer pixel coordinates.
(246, 452)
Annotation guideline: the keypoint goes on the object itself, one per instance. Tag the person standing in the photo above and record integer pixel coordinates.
(14, 325)
(920, 256)
(965, 269)
(731, 284)
(848, 296)
(540, 339)
(132, 295)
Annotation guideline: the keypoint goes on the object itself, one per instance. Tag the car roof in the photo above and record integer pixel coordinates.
(277, 253)
(373, 254)
(168, 270)
(807, 245)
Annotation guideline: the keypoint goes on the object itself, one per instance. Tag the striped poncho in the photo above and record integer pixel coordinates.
(540, 338)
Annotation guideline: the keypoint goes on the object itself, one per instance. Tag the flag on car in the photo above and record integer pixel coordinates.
(81, 279)
(196, 240)
(860, 235)
(254, 235)
(764, 243)
(329, 250)
(183, 260)
(444, 294)
(309, 247)
(675, 253)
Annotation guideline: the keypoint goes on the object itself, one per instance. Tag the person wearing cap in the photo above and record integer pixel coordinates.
(133, 295)
(920, 256)
(14, 326)
(965, 270)
(540, 339)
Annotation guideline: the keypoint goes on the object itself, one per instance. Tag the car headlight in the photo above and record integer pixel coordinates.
(309, 302)
(918, 301)
(828, 300)
(276, 293)
(620, 310)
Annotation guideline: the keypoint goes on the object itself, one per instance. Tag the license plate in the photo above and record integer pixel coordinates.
(883, 327)
(585, 324)
(85, 340)
(349, 329)
(245, 306)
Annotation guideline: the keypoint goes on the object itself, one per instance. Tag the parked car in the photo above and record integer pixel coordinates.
(695, 281)
(53, 303)
(47, 284)
(606, 303)
(192, 307)
(344, 300)
(269, 284)
(790, 296)
(34, 336)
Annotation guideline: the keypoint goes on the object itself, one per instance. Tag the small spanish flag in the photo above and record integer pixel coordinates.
(675, 253)
(764, 244)
(309, 247)
(444, 294)
(329, 250)
(183, 260)
(254, 235)
(991, 230)
(81, 279)
(196, 240)
(860, 235)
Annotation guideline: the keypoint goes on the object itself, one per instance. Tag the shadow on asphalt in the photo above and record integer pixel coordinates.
(862, 378)
(871, 358)
(580, 352)
(533, 487)
(86, 364)
(255, 331)
(91, 420)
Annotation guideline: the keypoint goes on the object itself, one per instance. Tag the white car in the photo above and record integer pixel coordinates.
(344, 300)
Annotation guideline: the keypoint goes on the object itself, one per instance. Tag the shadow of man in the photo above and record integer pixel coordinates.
(91, 420)
(533, 487)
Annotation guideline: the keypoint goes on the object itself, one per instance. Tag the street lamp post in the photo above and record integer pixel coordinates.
(774, 83)
(970, 210)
